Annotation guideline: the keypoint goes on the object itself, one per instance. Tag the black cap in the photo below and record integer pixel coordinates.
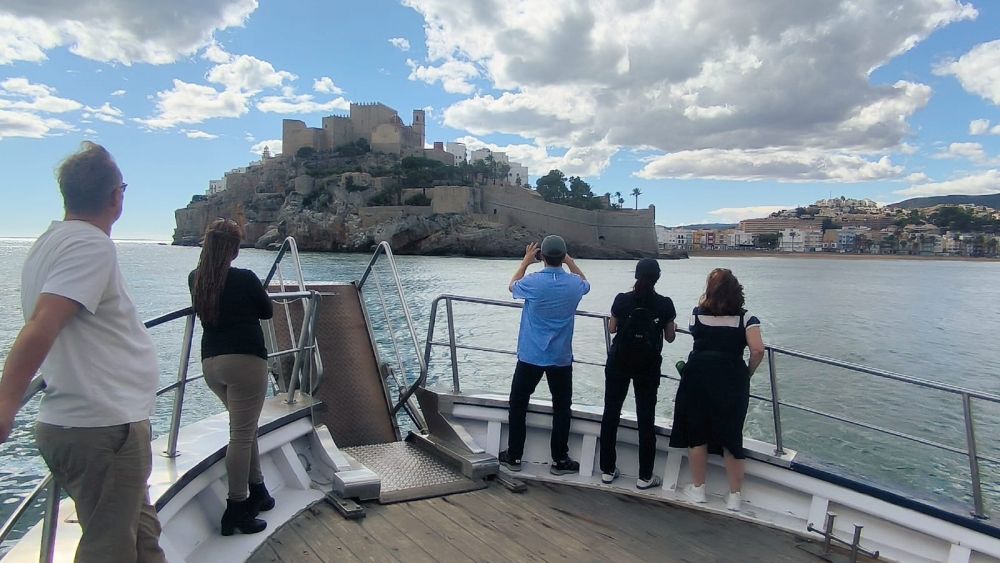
(647, 268)
(553, 246)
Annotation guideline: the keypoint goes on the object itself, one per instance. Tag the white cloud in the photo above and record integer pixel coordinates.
(737, 214)
(325, 85)
(106, 113)
(577, 161)
(33, 97)
(454, 76)
(194, 103)
(273, 145)
(917, 178)
(987, 182)
(970, 151)
(22, 102)
(25, 124)
(979, 126)
(982, 127)
(248, 74)
(196, 134)
(401, 43)
(118, 93)
(978, 71)
(120, 31)
(302, 103)
(216, 54)
(737, 75)
(768, 164)
(241, 76)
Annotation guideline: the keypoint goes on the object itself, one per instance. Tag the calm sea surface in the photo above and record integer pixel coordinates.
(938, 321)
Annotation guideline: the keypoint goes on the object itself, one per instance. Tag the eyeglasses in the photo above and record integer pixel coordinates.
(124, 185)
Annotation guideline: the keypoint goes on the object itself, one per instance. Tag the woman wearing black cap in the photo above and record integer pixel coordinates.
(640, 320)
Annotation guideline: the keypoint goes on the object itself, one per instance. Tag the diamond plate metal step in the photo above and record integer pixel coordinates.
(408, 472)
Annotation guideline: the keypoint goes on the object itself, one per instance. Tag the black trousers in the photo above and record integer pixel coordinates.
(526, 378)
(616, 389)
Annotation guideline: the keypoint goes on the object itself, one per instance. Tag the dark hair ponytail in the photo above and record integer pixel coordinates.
(644, 290)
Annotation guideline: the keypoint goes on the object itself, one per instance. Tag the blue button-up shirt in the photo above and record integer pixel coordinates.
(550, 300)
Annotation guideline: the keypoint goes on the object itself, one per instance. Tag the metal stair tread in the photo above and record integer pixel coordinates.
(408, 472)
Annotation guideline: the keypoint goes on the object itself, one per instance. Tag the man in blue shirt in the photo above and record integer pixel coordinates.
(545, 346)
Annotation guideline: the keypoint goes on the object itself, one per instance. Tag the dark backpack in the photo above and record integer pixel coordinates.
(637, 343)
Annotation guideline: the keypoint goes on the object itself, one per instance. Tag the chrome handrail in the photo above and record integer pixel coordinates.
(384, 249)
(967, 395)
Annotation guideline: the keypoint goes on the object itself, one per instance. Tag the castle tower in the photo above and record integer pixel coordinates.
(418, 126)
(266, 155)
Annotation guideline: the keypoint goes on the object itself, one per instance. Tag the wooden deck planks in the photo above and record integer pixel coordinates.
(547, 523)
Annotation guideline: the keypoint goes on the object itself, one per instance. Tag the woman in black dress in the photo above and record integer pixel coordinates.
(230, 303)
(714, 392)
(641, 320)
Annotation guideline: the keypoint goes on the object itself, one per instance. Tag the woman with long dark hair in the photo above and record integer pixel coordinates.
(640, 320)
(230, 303)
(712, 398)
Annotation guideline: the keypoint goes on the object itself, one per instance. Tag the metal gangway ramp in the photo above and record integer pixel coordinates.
(352, 380)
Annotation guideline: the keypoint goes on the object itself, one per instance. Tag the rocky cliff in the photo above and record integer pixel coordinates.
(320, 201)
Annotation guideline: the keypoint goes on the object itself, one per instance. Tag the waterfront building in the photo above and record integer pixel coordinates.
(774, 225)
(460, 152)
(674, 239)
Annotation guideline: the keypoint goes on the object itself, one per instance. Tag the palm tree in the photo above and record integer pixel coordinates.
(636, 193)
(619, 200)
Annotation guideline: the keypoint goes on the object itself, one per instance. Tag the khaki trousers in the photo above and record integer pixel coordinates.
(240, 381)
(105, 470)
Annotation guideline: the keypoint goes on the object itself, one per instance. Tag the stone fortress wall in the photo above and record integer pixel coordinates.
(377, 123)
(516, 206)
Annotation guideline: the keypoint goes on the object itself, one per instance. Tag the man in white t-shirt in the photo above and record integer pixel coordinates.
(81, 328)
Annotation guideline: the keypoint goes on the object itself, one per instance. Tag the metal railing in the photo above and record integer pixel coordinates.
(404, 401)
(970, 450)
(306, 345)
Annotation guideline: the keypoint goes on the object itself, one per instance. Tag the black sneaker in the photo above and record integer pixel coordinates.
(506, 461)
(564, 466)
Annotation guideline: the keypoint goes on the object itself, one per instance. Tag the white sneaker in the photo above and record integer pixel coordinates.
(608, 478)
(695, 494)
(653, 481)
(734, 501)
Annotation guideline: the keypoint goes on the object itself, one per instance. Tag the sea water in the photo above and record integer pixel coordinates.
(934, 320)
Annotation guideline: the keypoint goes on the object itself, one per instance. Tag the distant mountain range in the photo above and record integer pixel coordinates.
(992, 200)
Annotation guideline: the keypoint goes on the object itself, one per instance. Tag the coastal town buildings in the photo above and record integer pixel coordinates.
(842, 225)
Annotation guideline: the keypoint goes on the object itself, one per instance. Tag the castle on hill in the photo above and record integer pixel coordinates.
(376, 123)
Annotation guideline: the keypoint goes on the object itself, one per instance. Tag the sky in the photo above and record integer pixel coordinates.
(716, 110)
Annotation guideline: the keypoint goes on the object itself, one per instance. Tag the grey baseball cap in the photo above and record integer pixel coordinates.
(553, 246)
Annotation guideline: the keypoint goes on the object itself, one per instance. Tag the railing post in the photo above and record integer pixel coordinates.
(51, 519)
(455, 385)
(293, 381)
(607, 334)
(775, 403)
(182, 371)
(970, 437)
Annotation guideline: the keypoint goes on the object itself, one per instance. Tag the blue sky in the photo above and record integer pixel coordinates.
(715, 109)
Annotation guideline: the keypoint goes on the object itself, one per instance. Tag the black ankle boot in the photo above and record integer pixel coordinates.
(259, 498)
(239, 516)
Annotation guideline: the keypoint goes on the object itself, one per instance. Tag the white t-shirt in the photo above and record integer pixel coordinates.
(101, 370)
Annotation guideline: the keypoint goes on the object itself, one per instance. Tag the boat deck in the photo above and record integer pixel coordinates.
(549, 522)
